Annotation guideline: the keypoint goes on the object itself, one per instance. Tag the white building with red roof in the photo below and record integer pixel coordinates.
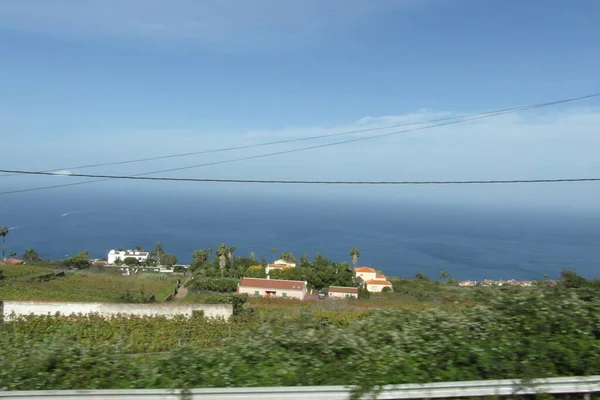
(372, 280)
(273, 288)
(340, 292)
(279, 264)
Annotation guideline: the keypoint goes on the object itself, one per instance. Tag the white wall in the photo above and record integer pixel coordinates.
(113, 255)
(107, 309)
(376, 288)
(341, 295)
(366, 276)
(290, 294)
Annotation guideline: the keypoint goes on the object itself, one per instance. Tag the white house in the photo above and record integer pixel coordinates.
(113, 255)
(377, 285)
(279, 264)
(365, 273)
(373, 281)
(273, 288)
(339, 292)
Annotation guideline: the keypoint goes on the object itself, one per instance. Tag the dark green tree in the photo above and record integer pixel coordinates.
(288, 256)
(79, 260)
(131, 261)
(168, 259)
(30, 255)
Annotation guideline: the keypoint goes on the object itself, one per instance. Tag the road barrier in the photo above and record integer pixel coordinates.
(586, 386)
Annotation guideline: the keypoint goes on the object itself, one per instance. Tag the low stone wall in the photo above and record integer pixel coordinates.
(20, 308)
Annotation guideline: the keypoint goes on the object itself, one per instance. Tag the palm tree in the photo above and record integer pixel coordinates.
(139, 248)
(230, 251)
(222, 252)
(274, 250)
(203, 256)
(355, 254)
(4, 232)
(445, 275)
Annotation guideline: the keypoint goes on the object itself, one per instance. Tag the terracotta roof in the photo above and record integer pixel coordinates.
(376, 282)
(279, 266)
(12, 261)
(273, 284)
(381, 276)
(342, 289)
(364, 269)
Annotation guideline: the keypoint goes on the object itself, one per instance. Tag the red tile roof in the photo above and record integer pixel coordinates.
(12, 261)
(342, 289)
(364, 269)
(380, 276)
(376, 282)
(272, 284)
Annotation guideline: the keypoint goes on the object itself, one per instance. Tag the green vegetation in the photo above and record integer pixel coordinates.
(320, 273)
(223, 285)
(540, 332)
(20, 284)
(23, 273)
(31, 256)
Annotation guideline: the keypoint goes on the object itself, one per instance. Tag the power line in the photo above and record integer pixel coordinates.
(477, 117)
(304, 182)
(324, 136)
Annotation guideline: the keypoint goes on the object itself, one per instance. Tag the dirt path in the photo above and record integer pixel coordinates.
(182, 291)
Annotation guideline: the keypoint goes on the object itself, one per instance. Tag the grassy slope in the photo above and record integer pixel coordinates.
(23, 272)
(79, 286)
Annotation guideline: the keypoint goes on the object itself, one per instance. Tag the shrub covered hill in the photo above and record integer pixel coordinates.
(536, 332)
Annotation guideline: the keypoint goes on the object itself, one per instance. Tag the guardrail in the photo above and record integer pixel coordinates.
(586, 385)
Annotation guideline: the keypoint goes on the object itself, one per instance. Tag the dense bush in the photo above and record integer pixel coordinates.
(225, 285)
(550, 331)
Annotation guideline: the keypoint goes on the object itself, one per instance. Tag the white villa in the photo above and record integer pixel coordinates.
(273, 288)
(113, 255)
(279, 264)
(373, 281)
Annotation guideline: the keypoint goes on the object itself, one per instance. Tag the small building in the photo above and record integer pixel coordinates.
(376, 285)
(115, 255)
(340, 292)
(273, 288)
(279, 264)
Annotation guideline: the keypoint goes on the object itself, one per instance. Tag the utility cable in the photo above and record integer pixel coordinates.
(305, 182)
(284, 141)
(477, 117)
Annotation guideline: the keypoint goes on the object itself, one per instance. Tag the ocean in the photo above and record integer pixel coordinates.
(402, 239)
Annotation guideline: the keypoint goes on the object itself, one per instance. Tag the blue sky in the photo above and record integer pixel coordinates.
(98, 81)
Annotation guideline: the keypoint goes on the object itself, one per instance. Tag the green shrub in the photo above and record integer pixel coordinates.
(224, 285)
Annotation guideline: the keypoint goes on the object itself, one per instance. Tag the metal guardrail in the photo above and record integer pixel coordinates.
(585, 385)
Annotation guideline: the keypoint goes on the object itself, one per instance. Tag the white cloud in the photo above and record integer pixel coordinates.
(215, 22)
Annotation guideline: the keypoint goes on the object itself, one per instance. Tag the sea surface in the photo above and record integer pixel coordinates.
(400, 239)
